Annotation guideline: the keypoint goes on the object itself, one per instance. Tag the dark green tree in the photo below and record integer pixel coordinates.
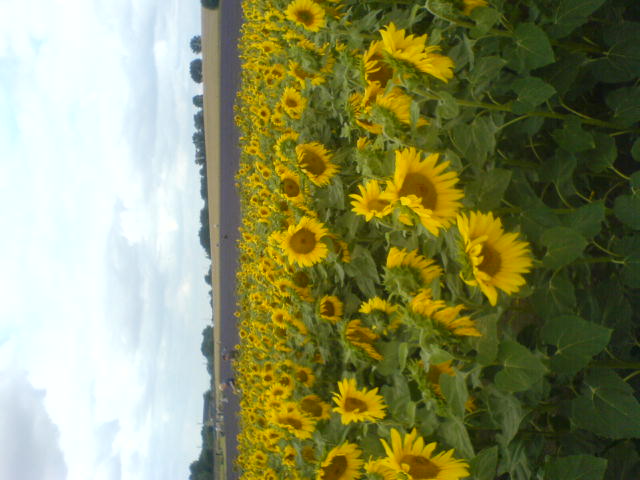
(195, 69)
(196, 44)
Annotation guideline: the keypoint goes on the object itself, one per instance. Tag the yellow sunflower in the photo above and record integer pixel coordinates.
(313, 406)
(445, 315)
(293, 421)
(291, 187)
(362, 337)
(436, 201)
(306, 13)
(375, 68)
(293, 102)
(415, 51)
(425, 267)
(414, 459)
(471, 5)
(302, 242)
(371, 202)
(331, 308)
(341, 463)
(315, 161)
(379, 467)
(355, 405)
(497, 259)
(378, 304)
(399, 104)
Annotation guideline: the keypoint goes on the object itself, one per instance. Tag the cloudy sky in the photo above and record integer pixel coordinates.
(102, 297)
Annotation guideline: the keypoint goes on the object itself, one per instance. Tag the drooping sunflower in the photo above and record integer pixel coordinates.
(315, 160)
(362, 337)
(293, 102)
(302, 242)
(377, 304)
(415, 51)
(355, 405)
(497, 259)
(306, 13)
(375, 68)
(437, 200)
(331, 308)
(398, 104)
(425, 267)
(313, 406)
(416, 460)
(445, 315)
(371, 202)
(341, 463)
(293, 421)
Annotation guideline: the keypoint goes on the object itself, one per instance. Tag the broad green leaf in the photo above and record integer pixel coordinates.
(603, 155)
(533, 49)
(563, 72)
(572, 137)
(476, 140)
(564, 245)
(635, 150)
(485, 18)
(622, 60)
(487, 344)
(484, 72)
(627, 208)
(558, 168)
(447, 106)
(521, 367)
(483, 466)
(623, 461)
(576, 340)
(567, 15)
(505, 411)
(531, 91)
(455, 434)
(555, 297)
(586, 220)
(535, 221)
(389, 362)
(454, 389)
(634, 180)
(629, 246)
(487, 190)
(607, 406)
(575, 467)
(625, 103)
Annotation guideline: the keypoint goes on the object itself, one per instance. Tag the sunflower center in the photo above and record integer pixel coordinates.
(420, 467)
(420, 186)
(328, 309)
(291, 102)
(360, 336)
(302, 376)
(382, 73)
(301, 279)
(305, 17)
(491, 261)
(335, 469)
(351, 404)
(310, 406)
(303, 241)
(293, 422)
(313, 163)
(377, 204)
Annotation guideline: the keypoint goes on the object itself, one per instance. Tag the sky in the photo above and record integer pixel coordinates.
(102, 292)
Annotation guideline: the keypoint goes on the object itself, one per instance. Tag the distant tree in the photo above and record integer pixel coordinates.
(207, 342)
(196, 44)
(195, 69)
(198, 101)
(207, 277)
(204, 191)
(205, 240)
(198, 138)
(198, 120)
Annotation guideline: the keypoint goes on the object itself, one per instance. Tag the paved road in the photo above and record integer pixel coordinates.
(231, 19)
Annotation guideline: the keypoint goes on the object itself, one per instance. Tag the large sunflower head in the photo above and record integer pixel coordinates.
(315, 407)
(497, 259)
(362, 337)
(331, 308)
(302, 242)
(425, 267)
(375, 68)
(341, 463)
(444, 315)
(436, 201)
(416, 460)
(306, 13)
(315, 160)
(371, 202)
(355, 405)
(293, 102)
(294, 422)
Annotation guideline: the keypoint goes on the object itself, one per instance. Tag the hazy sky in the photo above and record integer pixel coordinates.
(102, 297)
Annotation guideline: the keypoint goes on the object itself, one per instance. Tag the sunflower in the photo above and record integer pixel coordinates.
(315, 160)
(291, 187)
(331, 308)
(293, 102)
(379, 467)
(306, 13)
(301, 243)
(445, 315)
(436, 201)
(375, 68)
(413, 458)
(399, 105)
(304, 375)
(313, 406)
(293, 421)
(371, 202)
(471, 5)
(362, 337)
(425, 267)
(377, 304)
(341, 463)
(355, 405)
(497, 259)
(415, 52)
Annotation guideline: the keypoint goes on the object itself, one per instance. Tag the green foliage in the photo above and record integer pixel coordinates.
(576, 467)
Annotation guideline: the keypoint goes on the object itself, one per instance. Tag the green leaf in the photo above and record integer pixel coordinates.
(485, 18)
(607, 406)
(447, 106)
(476, 140)
(454, 388)
(521, 367)
(484, 72)
(558, 168)
(626, 208)
(572, 137)
(454, 433)
(623, 462)
(556, 297)
(487, 190)
(403, 351)
(487, 344)
(575, 467)
(570, 14)
(389, 363)
(484, 465)
(586, 220)
(531, 91)
(625, 103)
(505, 411)
(629, 246)
(635, 150)
(535, 221)
(576, 340)
(533, 49)
(604, 154)
(564, 245)
(621, 62)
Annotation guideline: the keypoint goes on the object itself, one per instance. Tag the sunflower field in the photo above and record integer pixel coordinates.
(440, 240)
